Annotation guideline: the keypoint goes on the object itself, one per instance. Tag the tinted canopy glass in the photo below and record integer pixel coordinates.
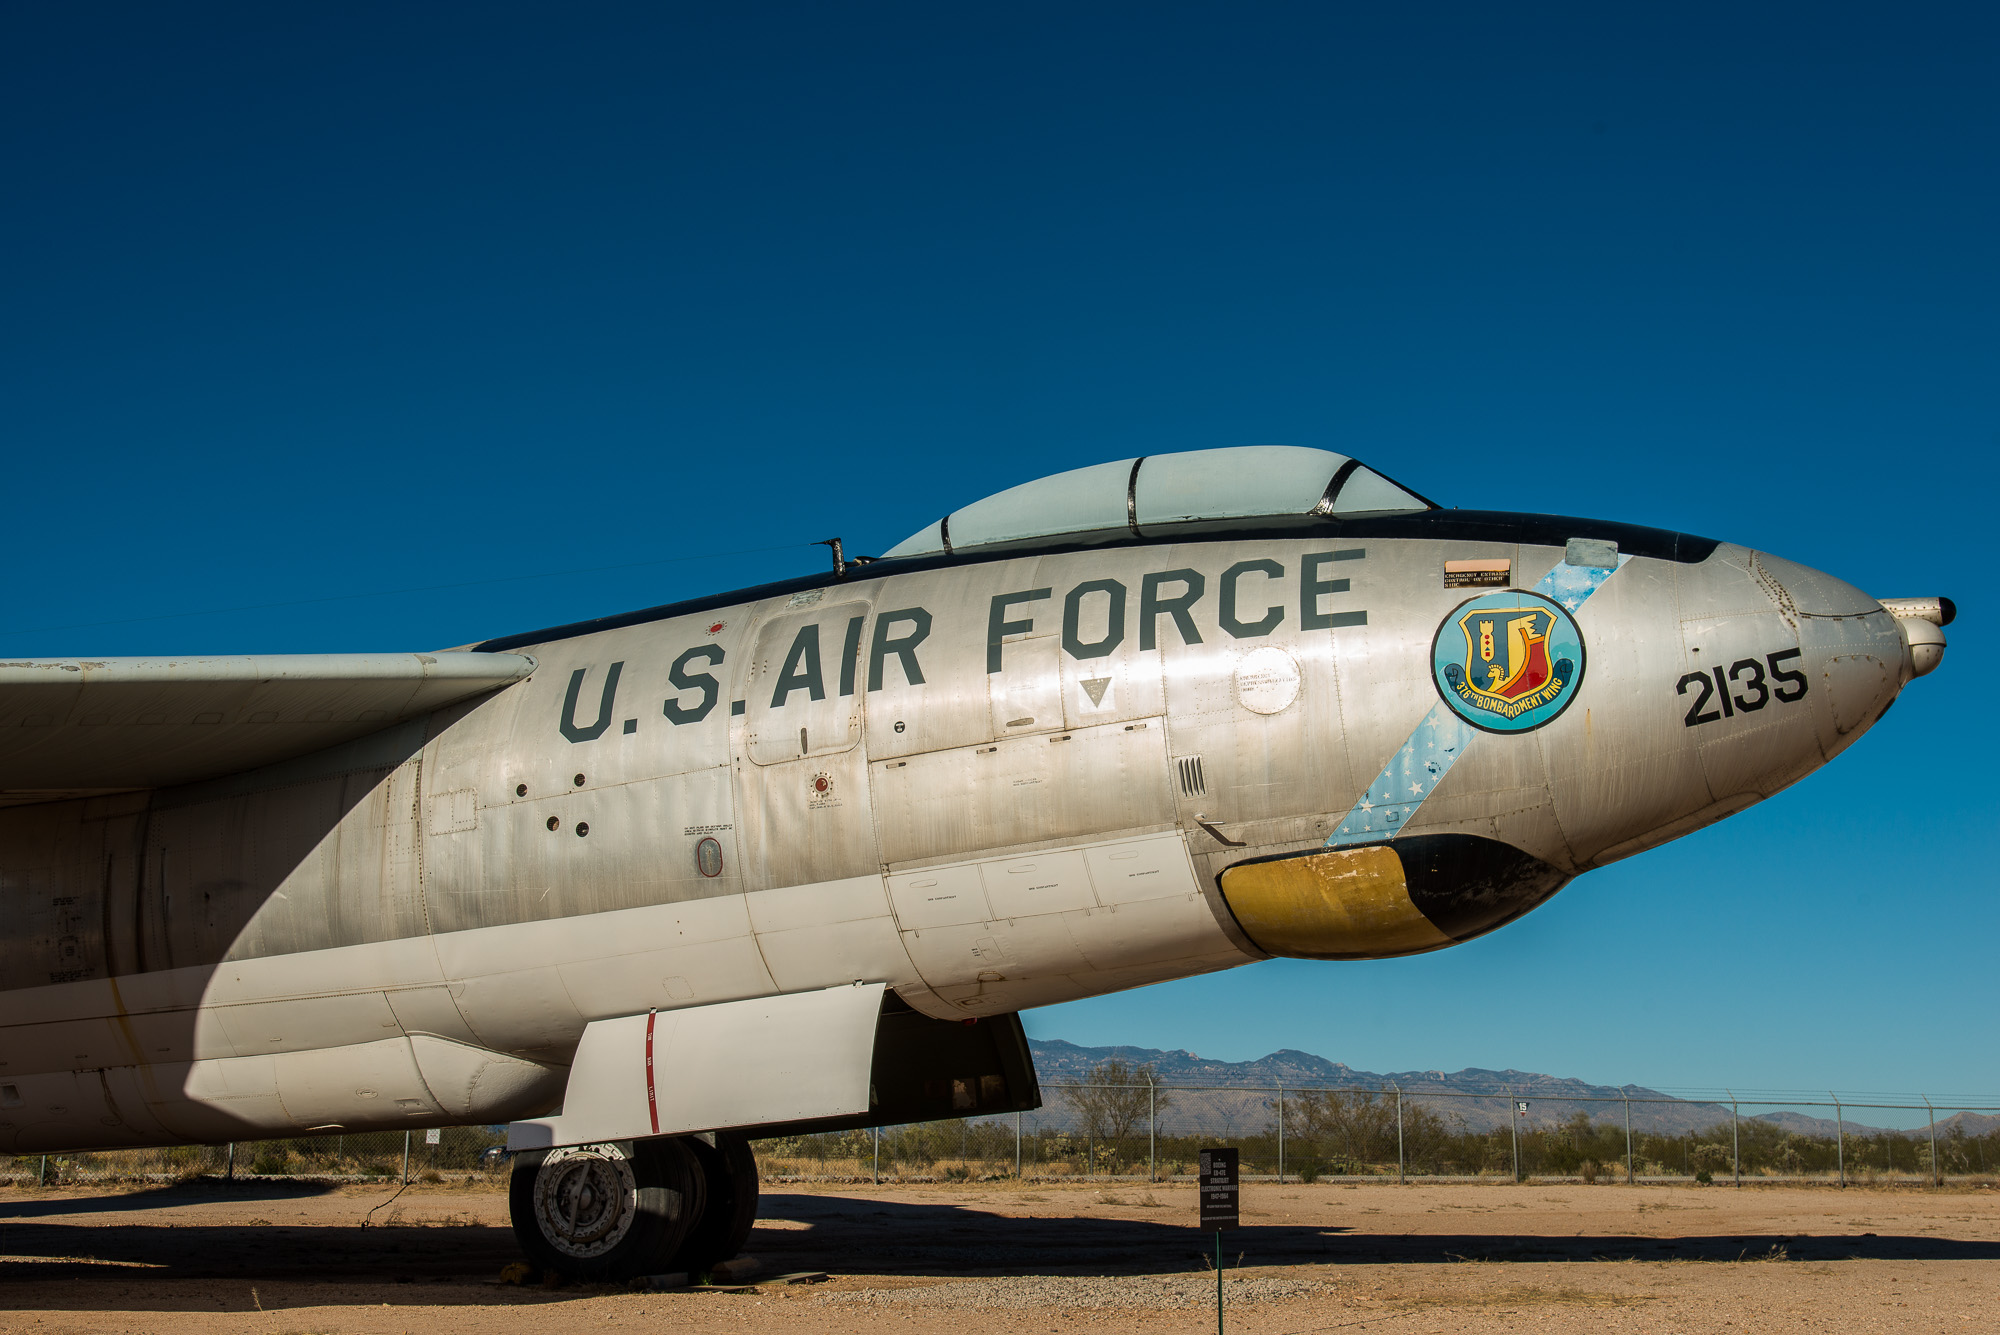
(1162, 489)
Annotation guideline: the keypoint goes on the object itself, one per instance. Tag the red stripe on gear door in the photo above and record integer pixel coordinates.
(652, 1099)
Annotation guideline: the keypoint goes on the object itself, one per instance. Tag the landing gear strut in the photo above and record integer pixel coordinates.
(624, 1208)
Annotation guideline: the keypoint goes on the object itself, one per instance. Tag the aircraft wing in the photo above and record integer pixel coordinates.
(73, 727)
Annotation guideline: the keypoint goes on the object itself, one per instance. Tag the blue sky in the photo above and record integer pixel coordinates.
(307, 302)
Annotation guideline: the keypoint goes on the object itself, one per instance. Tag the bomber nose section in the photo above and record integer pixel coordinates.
(1784, 669)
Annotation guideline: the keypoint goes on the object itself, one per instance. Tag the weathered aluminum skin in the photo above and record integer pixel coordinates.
(414, 928)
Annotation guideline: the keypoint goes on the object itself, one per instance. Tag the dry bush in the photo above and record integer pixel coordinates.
(1711, 1158)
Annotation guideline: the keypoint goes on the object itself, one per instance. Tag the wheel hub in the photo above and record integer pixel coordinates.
(586, 1198)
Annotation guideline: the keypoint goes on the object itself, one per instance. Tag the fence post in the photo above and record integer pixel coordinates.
(1514, 1125)
(1152, 1132)
(229, 1174)
(1735, 1145)
(1399, 1135)
(1937, 1168)
(878, 1149)
(1839, 1138)
(1017, 1146)
(1629, 1177)
(42, 1173)
(1281, 1134)
(406, 1158)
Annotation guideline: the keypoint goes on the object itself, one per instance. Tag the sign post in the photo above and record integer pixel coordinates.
(1220, 1198)
(1520, 1111)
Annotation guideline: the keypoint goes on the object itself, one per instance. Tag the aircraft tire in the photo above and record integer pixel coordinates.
(605, 1212)
(729, 1173)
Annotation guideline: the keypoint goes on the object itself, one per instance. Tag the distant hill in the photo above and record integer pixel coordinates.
(1974, 1124)
(1492, 1094)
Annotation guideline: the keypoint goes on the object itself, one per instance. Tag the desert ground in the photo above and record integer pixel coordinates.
(280, 1259)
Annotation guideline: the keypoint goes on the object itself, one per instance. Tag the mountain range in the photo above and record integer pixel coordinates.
(1484, 1098)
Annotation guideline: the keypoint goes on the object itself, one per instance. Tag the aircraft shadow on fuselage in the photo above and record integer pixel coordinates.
(451, 1259)
(168, 853)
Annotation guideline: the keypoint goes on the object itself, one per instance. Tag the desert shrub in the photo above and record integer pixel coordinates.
(1710, 1158)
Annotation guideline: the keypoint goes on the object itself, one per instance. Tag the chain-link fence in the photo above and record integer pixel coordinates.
(1153, 1131)
(440, 1155)
(1140, 1130)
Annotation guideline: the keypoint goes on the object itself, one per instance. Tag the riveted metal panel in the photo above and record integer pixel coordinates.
(805, 683)
(1023, 790)
(1026, 695)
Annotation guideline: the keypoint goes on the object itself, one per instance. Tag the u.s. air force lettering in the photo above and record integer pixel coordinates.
(1253, 599)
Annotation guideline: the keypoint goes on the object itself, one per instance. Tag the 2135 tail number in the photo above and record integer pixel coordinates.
(1716, 689)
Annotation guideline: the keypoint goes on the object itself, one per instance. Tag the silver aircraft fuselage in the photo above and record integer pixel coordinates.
(992, 780)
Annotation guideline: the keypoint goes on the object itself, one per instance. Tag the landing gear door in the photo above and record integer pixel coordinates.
(802, 687)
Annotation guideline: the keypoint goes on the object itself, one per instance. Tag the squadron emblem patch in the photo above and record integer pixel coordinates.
(1508, 662)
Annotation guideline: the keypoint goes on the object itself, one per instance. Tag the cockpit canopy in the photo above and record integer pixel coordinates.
(1159, 489)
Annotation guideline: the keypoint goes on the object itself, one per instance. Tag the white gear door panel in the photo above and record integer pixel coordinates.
(736, 1064)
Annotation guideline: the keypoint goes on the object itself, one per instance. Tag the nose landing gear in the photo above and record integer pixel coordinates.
(615, 1210)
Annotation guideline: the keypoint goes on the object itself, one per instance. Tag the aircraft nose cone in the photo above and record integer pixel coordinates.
(1853, 649)
(1783, 667)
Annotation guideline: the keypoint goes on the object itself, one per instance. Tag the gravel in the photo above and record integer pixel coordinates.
(1028, 1292)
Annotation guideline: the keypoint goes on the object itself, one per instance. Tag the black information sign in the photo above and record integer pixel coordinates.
(1218, 1188)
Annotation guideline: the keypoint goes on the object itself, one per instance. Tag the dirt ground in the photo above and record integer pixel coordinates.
(1012, 1257)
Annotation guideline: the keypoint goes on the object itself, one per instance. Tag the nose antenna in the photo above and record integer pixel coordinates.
(1938, 611)
(840, 561)
(1922, 621)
